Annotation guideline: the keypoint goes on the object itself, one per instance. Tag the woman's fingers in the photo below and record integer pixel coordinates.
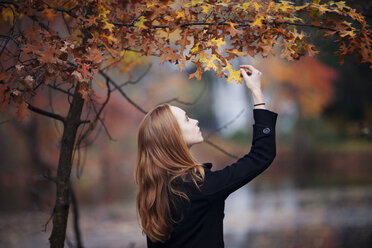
(251, 69)
(246, 69)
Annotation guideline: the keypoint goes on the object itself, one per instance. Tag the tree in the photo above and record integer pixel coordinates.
(64, 44)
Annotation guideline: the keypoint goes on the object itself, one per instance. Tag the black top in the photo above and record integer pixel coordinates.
(202, 222)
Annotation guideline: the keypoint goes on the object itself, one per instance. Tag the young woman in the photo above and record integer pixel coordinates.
(181, 202)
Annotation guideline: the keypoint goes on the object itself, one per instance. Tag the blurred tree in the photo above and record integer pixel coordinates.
(63, 44)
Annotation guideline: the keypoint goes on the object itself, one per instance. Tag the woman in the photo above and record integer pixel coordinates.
(181, 202)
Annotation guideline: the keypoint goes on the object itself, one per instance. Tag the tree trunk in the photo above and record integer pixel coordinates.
(61, 208)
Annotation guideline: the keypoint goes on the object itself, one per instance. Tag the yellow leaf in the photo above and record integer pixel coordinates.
(209, 63)
(301, 7)
(108, 26)
(293, 19)
(180, 14)
(283, 6)
(233, 75)
(341, 5)
(257, 6)
(140, 24)
(245, 6)
(7, 15)
(150, 5)
(103, 12)
(205, 9)
(109, 37)
(219, 42)
(195, 48)
(193, 3)
(258, 21)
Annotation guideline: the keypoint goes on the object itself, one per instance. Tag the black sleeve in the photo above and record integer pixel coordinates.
(221, 183)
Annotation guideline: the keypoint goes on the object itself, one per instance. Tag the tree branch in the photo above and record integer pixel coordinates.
(122, 92)
(224, 126)
(219, 24)
(59, 89)
(188, 103)
(46, 113)
(220, 149)
(135, 81)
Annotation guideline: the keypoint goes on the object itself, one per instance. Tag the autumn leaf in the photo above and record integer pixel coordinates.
(219, 42)
(7, 14)
(195, 48)
(49, 14)
(94, 54)
(199, 71)
(233, 75)
(310, 51)
(232, 30)
(183, 42)
(258, 21)
(100, 83)
(140, 24)
(47, 55)
(84, 70)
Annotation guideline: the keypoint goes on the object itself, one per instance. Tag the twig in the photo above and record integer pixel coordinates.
(59, 89)
(135, 81)
(46, 224)
(188, 103)
(224, 126)
(220, 149)
(122, 92)
(3, 122)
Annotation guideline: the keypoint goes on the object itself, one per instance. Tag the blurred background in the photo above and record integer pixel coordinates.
(317, 192)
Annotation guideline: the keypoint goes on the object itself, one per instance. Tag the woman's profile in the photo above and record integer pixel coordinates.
(181, 202)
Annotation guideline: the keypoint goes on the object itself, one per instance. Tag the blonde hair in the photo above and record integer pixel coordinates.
(162, 157)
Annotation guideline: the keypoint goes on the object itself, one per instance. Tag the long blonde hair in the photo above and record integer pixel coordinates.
(162, 157)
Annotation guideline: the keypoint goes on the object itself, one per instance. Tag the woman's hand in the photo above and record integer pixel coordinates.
(251, 76)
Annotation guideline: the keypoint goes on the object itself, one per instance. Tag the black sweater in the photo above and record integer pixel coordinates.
(202, 218)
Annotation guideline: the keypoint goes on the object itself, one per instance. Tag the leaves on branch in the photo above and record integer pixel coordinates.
(208, 34)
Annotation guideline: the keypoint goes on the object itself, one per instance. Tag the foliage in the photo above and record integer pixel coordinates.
(115, 33)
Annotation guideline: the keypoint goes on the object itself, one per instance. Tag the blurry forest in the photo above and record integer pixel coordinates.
(317, 193)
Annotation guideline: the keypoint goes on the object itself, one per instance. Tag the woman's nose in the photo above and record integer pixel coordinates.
(197, 122)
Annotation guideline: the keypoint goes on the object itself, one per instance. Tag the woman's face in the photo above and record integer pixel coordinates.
(189, 127)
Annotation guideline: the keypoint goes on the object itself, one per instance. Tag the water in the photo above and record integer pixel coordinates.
(287, 216)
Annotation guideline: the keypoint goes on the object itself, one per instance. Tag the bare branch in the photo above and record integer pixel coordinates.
(120, 58)
(9, 38)
(220, 149)
(3, 122)
(46, 224)
(46, 113)
(122, 92)
(226, 125)
(219, 24)
(59, 89)
(188, 103)
(135, 81)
